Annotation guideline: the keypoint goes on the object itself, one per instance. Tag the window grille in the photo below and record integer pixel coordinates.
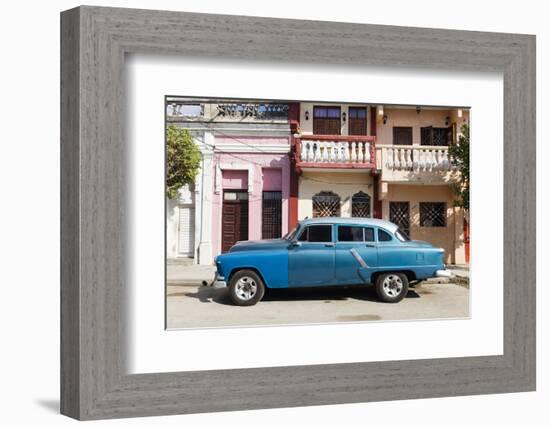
(326, 203)
(432, 214)
(271, 214)
(399, 215)
(360, 205)
(434, 136)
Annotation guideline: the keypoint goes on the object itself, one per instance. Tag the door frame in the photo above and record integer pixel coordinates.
(236, 202)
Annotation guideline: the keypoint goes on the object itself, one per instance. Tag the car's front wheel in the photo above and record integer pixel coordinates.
(392, 287)
(246, 288)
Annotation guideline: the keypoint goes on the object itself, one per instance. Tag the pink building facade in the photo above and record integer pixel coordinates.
(242, 190)
(241, 182)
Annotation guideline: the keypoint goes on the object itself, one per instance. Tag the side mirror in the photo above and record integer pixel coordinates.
(295, 244)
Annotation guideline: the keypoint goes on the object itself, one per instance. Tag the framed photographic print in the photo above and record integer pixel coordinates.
(262, 213)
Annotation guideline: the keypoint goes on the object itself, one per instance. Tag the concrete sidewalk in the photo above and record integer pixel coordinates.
(462, 270)
(190, 305)
(461, 273)
(182, 272)
(202, 306)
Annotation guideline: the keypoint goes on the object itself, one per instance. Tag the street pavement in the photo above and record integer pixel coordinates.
(190, 305)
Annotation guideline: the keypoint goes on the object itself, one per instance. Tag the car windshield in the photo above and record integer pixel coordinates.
(291, 234)
(401, 235)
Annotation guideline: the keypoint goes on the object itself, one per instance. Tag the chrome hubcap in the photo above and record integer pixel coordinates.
(392, 285)
(246, 288)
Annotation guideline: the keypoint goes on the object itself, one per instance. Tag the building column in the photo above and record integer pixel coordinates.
(294, 119)
(373, 120)
(255, 185)
(459, 255)
(203, 212)
(293, 198)
(377, 202)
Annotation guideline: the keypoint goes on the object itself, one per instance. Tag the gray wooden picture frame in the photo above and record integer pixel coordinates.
(94, 382)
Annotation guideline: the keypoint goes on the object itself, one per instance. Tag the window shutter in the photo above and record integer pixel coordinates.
(186, 234)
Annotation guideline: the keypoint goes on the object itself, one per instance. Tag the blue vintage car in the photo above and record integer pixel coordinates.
(329, 252)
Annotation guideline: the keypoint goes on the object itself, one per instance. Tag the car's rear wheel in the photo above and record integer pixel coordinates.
(246, 288)
(392, 287)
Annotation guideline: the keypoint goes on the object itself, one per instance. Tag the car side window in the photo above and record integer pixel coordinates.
(369, 234)
(348, 233)
(303, 235)
(383, 236)
(317, 233)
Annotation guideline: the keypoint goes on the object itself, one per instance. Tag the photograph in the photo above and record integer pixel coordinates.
(259, 214)
(288, 212)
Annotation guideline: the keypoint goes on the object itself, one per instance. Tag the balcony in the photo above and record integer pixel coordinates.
(335, 152)
(413, 163)
(178, 110)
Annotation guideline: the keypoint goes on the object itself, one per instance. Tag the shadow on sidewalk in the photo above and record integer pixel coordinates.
(327, 294)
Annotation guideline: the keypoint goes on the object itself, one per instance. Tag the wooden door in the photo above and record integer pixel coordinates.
(234, 218)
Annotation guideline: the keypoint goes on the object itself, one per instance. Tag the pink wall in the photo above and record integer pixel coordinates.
(235, 179)
(269, 172)
(272, 179)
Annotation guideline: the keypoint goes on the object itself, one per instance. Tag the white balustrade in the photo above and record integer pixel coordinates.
(324, 150)
(312, 151)
(418, 158)
(361, 154)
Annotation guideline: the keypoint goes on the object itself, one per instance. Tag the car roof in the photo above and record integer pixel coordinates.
(390, 226)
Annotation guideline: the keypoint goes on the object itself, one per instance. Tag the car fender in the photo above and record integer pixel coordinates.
(272, 266)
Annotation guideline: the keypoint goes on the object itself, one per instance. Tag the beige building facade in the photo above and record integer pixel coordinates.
(448, 235)
(344, 184)
(383, 161)
(415, 186)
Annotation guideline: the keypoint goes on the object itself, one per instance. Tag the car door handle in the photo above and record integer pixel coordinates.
(370, 245)
(329, 245)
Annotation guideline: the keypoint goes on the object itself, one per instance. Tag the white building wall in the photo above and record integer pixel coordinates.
(185, 198)
(172, 214)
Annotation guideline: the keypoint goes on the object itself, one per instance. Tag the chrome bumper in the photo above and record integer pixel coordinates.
(444, 273)
(218, 282)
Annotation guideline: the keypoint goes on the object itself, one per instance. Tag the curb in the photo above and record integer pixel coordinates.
(456, 280)
(197, 283)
